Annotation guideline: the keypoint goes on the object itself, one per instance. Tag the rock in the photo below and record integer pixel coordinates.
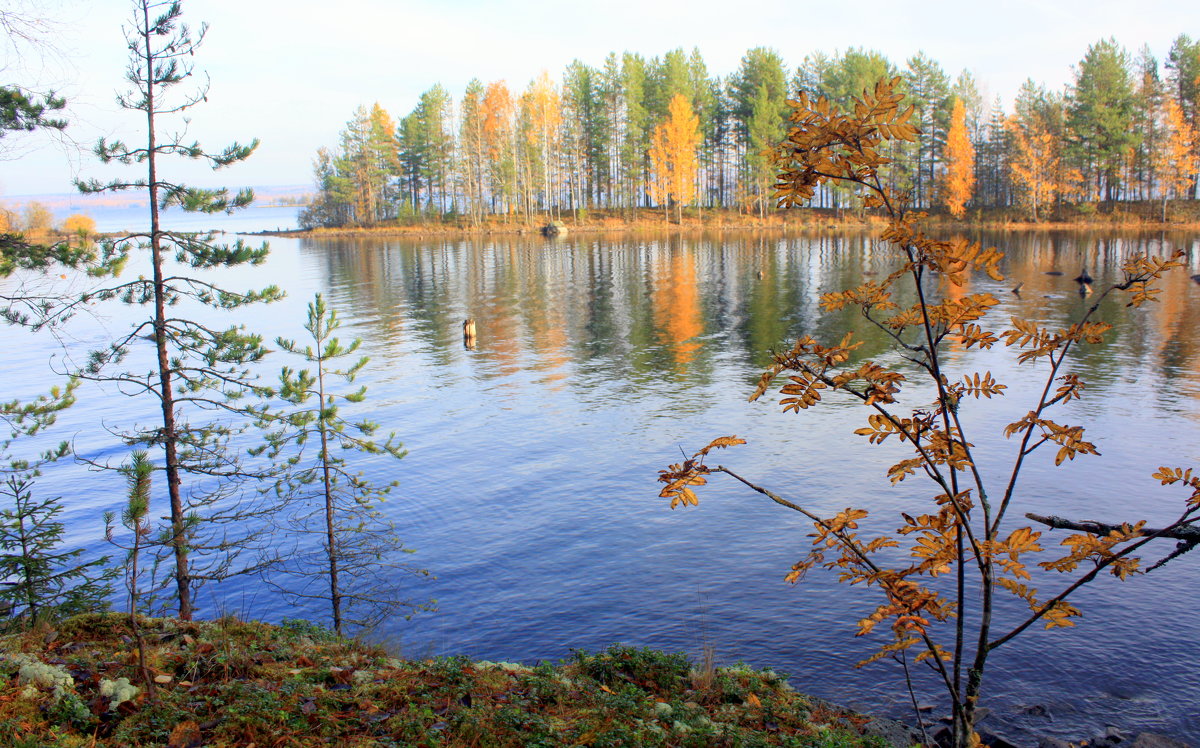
(1115, 734)
(1037, 710)
(993, 739)
(554, 228)
(1048, 742)
(895, 733)
(1154, 740)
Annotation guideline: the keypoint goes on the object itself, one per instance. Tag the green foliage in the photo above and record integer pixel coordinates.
(198, 369)
(22, 111)
(646, 668)
(327, 503)
(43, 582)
(1100, 115)
(138, 474)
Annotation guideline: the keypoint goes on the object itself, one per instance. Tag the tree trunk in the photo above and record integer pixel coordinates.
(335, 596)
(169, 435)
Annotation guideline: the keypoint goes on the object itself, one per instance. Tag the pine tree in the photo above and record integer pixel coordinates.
(356, 562)
(759, 94)
(471, 151)
(1100, 117)
(138, 474)
(198, 369)
(637, 126)
(587, 125)
(929, 92)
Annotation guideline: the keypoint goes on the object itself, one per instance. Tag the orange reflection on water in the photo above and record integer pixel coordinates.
(676, 302)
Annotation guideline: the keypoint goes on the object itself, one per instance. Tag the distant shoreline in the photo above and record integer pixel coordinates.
(801, 222)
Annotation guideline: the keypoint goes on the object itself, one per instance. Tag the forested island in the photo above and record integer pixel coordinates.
(661, 138)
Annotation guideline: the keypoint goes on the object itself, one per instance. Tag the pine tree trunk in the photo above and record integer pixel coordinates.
(169, 436)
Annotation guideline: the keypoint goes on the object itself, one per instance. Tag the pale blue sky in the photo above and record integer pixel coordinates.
(291, 72)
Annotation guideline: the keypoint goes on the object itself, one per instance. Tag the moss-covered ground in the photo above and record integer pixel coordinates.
(236, 683)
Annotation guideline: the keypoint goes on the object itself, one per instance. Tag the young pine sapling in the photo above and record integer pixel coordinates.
(347, 554)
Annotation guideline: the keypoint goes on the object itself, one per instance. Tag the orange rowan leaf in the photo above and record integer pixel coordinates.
(721, 442)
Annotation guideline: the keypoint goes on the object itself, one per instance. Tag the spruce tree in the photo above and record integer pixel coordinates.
(43, 581)
(200, 372)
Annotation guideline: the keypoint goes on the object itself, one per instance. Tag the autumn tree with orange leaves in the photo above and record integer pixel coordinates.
(958, 183)
(1034, 164)
(941, 572)
(1176, 161)
(673, 157)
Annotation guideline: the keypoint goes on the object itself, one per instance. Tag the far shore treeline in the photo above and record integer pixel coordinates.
(665, 132)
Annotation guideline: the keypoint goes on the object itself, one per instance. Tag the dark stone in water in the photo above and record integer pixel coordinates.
(1116, 734)
(993, 739)
(1053, 272)
(1122, 692)
(895, 733)
(1154, 740)
(1037, 710)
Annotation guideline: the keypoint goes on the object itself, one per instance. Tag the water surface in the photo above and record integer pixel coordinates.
(529, 489)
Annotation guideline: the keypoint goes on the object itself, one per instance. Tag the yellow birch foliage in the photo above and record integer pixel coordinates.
(1034, 164)
(545, 112)
(79, 225)
(1175, 161)
(541, 101)
(959, 181)
(497, 119)
(673, 154)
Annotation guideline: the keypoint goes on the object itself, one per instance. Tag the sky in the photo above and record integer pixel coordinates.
(291, 72)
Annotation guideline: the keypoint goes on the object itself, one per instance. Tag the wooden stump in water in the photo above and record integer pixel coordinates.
(469, 332)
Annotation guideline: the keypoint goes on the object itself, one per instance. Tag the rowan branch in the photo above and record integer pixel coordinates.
(1187, 532)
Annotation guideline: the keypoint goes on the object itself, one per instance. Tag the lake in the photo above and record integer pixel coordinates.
(529, 488)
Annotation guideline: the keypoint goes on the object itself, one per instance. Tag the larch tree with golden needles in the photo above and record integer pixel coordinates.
(942, 571)
(673, 157)
(958, 183)
(1175, 162)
